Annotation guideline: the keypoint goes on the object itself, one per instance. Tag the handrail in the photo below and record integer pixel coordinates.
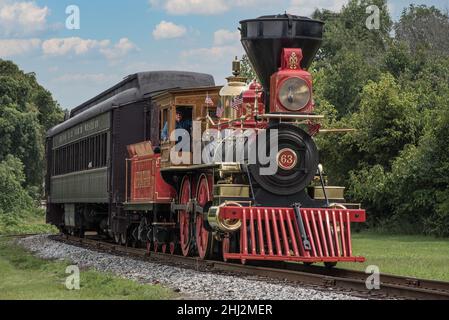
(292, 116)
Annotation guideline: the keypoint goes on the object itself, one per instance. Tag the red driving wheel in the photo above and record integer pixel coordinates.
(203, 238)
(172, 248)
(184, 217)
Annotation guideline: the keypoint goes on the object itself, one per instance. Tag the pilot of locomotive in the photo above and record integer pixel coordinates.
(182, 123)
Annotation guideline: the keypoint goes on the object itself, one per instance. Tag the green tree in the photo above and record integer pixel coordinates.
(424, 29)
(342, 80)
(414, 195)
(27, 111)
(23, 90)
(348, 30)
(22, 137)
(351, 54)
(387, 121)
(247, 69)
(13, 196)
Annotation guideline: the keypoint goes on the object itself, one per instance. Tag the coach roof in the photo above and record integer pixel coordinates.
(133, 88)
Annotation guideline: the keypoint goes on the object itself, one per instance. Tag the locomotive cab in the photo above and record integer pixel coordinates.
(179, 109)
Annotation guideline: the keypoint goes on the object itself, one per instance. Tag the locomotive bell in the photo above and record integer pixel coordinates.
(233, 88)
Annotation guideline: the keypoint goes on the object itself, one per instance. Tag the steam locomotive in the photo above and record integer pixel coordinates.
(112, 168)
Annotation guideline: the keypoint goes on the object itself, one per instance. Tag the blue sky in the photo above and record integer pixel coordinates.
(117, 38)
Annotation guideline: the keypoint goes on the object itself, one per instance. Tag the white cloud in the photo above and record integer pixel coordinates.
(203, 7)
(73, 45)
(78, 46)
(215, 53)
(119, 50)
(168, 30)
(22, 18)
(206, 7)
(15, 47)
(224, 36)
(307, 7)
(95, 78)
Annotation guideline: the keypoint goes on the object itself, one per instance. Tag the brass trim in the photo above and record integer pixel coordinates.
(231, 190)
(292, 116)
(224, 225)
(333, 193)
(293, 165)
(337, 130)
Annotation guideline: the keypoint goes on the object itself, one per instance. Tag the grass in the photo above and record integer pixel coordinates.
(25, 277)
(26, 223)
(414, 256)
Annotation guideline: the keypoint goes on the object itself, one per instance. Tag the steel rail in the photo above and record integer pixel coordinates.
(339, 279)
(18, 236)
(355, 274)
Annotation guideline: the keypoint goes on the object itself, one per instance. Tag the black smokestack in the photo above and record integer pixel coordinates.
(263, 39)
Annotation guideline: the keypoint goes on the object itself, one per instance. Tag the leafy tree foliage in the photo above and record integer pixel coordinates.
(22, 137)
(13, 196)
(351, 54)
(27, 111)
(394, 89)
(424, 29)
(347, 29)
(23, 90)
(247, 70)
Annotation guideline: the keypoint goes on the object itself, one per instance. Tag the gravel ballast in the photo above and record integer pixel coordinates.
(190, 283)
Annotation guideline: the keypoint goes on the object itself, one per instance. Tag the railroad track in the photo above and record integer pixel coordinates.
(17, 236)
(351, 281)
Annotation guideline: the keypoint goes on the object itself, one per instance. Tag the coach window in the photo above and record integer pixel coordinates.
(59, 161)
(55, 161)
(70, 158)
(95, 155)
(89, 153)
(64, 160)
(98, 152)
(86, 153)
(81, 156)
(104, 149)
